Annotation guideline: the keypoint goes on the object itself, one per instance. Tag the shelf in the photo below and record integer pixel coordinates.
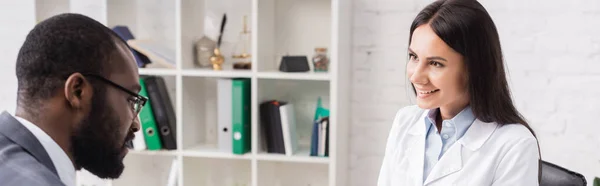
(153, 152)
(207, 171)
(214, 73)
(277, 28)
(157, 71)
(300, 157)
(293, 174)
(206, 151)
(317, 76)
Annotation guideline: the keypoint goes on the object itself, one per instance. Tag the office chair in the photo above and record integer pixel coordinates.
(554, 175)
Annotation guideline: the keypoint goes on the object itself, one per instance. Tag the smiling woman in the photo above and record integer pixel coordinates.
(437, 72)
(464, 129)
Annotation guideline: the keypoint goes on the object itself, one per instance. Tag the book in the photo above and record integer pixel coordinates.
(314, 140)
(270, 118)
(288, 128)
(319, 145)
(156, 52)
(124, 33)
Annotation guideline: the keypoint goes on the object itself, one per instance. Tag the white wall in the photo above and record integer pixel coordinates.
(552, 51)
(16, 18)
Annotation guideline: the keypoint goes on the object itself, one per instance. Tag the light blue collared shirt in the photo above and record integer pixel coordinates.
(436, 144)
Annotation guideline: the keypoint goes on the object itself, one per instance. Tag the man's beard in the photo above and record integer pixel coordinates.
(96, 144)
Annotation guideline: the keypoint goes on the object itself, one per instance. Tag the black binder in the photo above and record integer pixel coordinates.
(164, 113)
(271, 126)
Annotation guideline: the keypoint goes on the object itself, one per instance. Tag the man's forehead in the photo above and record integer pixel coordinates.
(122, 58)
(123, 69)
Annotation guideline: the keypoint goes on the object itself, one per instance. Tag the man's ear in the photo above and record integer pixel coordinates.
(78, 91)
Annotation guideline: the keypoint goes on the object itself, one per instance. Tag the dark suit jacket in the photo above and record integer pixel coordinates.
(23, 159)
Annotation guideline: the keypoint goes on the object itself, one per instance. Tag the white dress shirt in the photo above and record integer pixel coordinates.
(62, 163)
(438, 142)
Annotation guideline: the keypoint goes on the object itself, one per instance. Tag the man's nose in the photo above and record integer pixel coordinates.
(135, 126)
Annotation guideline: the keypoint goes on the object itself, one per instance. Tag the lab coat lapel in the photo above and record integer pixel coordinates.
(416, 151)
(450, 162)
(478, 134)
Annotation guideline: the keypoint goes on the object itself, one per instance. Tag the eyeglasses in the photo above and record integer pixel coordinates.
(137, 102)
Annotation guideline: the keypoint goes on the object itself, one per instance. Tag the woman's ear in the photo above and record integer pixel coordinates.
(77, 91)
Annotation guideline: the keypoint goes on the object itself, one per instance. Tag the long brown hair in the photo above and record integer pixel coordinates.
(466, 27)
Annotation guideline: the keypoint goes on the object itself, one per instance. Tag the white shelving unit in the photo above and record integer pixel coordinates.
(278, 28)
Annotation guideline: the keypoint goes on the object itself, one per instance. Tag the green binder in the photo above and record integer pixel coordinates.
(240, 100)
(151, 137)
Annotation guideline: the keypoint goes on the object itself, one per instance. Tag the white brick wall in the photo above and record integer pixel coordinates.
(552, 52)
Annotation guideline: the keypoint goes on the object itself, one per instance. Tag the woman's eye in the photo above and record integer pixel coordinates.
(412, 57)
(436, 64)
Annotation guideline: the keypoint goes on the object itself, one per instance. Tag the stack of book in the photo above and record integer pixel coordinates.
(319, 145)
(146, 51)
(279, 127)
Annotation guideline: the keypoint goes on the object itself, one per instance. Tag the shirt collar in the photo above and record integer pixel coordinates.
(64, 166)
(461, 122)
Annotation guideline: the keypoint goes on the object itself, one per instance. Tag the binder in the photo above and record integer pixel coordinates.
(224, 115)
(266, 124)
(240, 99)
(270, 117)
(163, 111)
(148, 121)
(288, 128)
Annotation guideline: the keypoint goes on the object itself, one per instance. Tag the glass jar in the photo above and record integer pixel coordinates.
(203, 50)
(320, 60)
(241, 57)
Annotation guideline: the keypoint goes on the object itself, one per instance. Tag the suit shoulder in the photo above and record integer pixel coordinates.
(20, 168)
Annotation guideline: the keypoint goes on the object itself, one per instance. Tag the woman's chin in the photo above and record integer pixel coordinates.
(426, 104)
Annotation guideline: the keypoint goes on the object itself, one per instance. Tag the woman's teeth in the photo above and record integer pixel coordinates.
(429, 92)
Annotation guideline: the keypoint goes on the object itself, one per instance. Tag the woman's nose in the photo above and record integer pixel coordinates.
(418, 74)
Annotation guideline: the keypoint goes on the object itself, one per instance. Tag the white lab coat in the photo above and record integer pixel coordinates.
(487, 154)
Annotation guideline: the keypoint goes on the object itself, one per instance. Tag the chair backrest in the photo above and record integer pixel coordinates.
(554, 175)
